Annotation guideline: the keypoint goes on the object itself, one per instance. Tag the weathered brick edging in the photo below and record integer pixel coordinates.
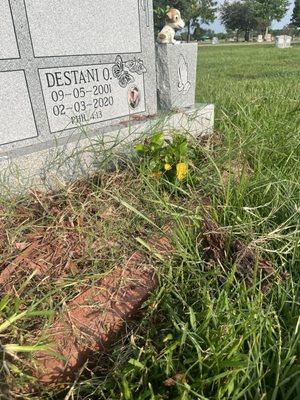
(93, 319)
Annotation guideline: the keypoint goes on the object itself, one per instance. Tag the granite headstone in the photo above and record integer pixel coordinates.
(78, 82)
(71, 65)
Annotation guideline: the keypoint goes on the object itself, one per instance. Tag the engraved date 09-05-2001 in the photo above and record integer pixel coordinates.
(101, 98)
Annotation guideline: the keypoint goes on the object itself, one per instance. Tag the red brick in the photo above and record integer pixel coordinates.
(92, 320)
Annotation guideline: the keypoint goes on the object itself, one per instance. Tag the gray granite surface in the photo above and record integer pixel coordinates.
(51, 168)
(176, 66)
(68, 67)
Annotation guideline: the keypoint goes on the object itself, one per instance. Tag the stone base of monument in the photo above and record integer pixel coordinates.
(53, 164)
(176, 70)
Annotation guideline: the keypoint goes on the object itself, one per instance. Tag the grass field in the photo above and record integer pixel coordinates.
(206, 332)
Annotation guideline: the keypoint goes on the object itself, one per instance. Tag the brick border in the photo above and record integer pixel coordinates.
(93, 319)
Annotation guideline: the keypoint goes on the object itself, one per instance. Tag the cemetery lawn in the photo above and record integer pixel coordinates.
(218, 326)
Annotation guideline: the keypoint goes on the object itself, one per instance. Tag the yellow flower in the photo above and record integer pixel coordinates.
(168, 167)
(181, 171)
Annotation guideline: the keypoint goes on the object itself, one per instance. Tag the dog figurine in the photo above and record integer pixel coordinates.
(173, 22)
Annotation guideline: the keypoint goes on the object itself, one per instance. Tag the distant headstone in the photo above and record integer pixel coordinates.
(260, 38)
(288, 41)
(283, 41)
(268, 38)
(215, 40)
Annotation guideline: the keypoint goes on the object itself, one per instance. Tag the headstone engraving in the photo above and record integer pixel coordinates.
(79, 65)
(176, 74)
(84, 95)
(78, 78)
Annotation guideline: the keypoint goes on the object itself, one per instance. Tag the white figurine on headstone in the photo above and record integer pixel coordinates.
(173, 22)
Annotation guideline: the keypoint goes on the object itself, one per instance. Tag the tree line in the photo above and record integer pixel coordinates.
(240, 16)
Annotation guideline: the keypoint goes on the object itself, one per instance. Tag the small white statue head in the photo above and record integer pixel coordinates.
(173, 19)
(173, 22)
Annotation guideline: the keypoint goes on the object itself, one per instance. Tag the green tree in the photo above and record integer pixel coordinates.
(193, 12)
(295, 21)
(239, 16)
(198, 33)
(270, 10)
(160, 8)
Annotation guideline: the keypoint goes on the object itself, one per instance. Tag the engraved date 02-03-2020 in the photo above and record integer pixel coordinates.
(91, 108)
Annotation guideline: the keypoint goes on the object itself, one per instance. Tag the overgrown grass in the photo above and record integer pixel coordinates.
(206, 333)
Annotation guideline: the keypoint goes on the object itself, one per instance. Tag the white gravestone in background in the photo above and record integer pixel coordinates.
(283, 41)
(288, 41)
(268, 37)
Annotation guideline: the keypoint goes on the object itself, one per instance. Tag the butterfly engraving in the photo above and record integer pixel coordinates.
(124, 77)
(183, 81)
(136, 66)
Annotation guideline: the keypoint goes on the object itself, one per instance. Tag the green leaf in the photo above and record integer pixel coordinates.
(157, 139)
(16, 348)
(4, 302)
(126, 390)
(183, 148)
(140, 148)
(193, 320)
(230, 387)
(11, 320)
(136, 363)
(133, 209)
(146, 245)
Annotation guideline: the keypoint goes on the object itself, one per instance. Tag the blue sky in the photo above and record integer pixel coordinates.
(218, 27)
